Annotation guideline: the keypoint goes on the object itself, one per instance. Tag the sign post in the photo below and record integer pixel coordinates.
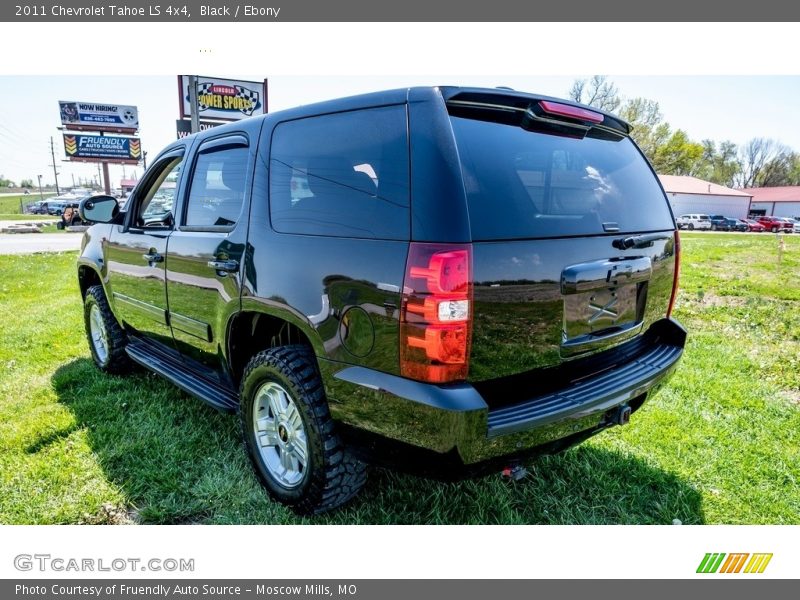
(193, 103)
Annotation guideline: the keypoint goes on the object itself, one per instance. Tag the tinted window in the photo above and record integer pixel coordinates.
(522, 184)
(155, 208)
(342, 175)
(217, 189)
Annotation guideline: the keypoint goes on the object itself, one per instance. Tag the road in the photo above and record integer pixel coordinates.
(29, 243)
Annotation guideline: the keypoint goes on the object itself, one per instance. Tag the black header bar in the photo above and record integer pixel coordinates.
(71, 11)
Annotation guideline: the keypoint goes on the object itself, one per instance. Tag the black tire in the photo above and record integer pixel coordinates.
(774, 230)
(116, 359)
(331, 475)
(691, 226)
(60, 225)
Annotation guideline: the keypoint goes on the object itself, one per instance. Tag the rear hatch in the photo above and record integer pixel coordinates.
(573, 238)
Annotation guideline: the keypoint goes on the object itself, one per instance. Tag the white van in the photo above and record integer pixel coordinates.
(694, 221)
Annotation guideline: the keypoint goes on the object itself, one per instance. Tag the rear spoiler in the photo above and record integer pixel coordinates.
(545, 115)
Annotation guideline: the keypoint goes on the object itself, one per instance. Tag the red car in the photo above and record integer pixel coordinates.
(775, 224)
(753, 225)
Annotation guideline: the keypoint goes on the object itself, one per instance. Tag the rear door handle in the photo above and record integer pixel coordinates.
(153, 258)
(227, 266)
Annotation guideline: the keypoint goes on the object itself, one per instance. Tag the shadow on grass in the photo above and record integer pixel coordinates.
(178, 461)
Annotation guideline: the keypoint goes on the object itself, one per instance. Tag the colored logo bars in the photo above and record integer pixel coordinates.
(734, 563)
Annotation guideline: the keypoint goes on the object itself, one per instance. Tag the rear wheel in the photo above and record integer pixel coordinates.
(106, 338)
(691, 226)
(290, 435)
(774, 229)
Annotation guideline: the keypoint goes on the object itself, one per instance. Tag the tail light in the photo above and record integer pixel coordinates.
(436, 314)
(676, 275)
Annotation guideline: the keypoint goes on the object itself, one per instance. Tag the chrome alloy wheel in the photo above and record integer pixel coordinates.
(280, 434)
(97, 329)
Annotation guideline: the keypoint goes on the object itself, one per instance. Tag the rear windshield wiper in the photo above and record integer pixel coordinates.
(639, 241)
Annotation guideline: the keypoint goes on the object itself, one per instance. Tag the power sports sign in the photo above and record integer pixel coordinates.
(93, 116)
(224, 99)
(95, 148)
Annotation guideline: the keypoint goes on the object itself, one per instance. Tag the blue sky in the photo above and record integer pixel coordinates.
(736, 108)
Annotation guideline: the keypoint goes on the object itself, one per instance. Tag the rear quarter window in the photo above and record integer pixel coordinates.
(342, 175)
(521, 184)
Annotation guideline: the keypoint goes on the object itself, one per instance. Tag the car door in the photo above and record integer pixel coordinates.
(206, 251)
(136, 252)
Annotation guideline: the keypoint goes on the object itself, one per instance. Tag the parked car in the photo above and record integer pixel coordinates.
(795, 225)
(349, 324)
(694, 221)
(753, 225)
(37, 208)
(719, 223)
(775, 224)
(791, 223)
(722, 223)
(739, 225)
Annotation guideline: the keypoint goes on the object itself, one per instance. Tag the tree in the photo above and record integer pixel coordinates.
(6, 182)
(648, 128)
(765, 162)
(596, 91)
(719, 165)
(26, 183)
(678, 155)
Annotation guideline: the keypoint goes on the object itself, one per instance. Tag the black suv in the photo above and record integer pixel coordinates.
(437, 278)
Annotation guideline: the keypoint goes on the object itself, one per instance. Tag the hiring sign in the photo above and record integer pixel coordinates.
(93, 148)
(224, 99)
(82, 116)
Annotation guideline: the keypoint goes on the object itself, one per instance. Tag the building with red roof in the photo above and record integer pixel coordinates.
(783, 201)
(690, 195)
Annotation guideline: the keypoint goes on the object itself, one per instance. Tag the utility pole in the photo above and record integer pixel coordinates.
(144, 159)
(41, 196)
(55, 170)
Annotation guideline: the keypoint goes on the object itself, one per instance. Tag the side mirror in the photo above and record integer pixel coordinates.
(99, 209)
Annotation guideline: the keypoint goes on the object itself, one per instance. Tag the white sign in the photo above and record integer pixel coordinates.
(224, 99)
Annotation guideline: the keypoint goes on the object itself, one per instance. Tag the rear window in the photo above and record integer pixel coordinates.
(522, 184)
(342, 175)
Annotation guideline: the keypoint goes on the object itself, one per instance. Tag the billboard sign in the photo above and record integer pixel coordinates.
(183, 127)
(82, 116)
(224, 99)
(98, 148)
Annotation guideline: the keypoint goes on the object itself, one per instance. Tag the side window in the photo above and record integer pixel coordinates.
(342, 175)
(156, 206)
(217, 188)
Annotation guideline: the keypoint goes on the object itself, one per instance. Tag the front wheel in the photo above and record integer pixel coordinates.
(691, 226)
(107, 339)
(290, 435)
(713, 228)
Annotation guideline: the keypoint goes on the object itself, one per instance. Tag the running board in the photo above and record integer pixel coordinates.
(173, 370)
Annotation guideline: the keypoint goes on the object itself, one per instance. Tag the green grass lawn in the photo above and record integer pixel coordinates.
(720, 444)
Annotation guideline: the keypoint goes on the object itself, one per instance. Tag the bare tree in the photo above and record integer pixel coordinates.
(597, 91)
(763, 162)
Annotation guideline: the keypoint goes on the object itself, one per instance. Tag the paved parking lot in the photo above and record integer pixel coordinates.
(29, 243)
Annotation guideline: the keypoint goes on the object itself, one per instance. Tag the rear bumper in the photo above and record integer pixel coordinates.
(456, 420)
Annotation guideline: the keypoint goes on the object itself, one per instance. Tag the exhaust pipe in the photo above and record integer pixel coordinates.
(622, 416)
